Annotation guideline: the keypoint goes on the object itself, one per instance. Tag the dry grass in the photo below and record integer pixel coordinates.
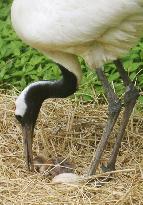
(72, 130)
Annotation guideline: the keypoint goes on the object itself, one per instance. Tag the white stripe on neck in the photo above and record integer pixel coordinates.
(70, 62)
(20, 103)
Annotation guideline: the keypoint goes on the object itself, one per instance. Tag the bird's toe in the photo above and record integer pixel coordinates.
(107, 168)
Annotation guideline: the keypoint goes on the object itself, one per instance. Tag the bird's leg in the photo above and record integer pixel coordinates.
(130, 99)
(114, 108)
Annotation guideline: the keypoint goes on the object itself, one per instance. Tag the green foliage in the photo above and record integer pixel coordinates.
(21, 65)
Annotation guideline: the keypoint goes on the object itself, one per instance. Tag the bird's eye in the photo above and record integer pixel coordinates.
(19, 118)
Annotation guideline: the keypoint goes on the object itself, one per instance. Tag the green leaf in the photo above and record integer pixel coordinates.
(114, 76)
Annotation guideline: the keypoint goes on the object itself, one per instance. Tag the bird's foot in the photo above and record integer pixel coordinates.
(107, 168)
(103, 180)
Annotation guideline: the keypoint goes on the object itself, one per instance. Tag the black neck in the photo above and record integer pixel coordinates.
(64, 87)
(54, 89)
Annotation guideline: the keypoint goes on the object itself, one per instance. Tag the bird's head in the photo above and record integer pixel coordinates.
(29, 102)
(28, 105)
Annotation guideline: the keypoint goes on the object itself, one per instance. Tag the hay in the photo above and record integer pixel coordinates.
(72, 130)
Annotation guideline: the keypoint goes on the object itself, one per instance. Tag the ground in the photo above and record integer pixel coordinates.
(71, 129)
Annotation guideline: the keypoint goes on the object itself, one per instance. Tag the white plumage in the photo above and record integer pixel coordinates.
(99, 31)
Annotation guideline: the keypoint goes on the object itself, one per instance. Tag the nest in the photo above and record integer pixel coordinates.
(72, 130)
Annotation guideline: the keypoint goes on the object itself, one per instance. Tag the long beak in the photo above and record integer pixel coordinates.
(28, 141)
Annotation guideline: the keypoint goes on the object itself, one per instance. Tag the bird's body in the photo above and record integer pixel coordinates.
(97, 30)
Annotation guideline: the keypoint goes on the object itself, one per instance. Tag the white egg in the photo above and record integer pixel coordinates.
(67, 178)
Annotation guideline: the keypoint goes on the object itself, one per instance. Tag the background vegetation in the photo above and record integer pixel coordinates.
(21, 65)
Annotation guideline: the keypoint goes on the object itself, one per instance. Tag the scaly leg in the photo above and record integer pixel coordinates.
(114, 108)
(130, 99)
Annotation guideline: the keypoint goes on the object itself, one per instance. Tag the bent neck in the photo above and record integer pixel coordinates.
(64, 87)
(54, 89)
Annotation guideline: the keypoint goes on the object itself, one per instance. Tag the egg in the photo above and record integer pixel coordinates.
(67, 178)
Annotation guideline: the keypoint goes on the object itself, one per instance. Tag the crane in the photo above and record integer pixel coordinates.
(99, 31)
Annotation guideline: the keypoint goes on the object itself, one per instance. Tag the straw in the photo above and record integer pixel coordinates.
(71, 129)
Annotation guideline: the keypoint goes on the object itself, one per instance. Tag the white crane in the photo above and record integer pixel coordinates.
(99, 31)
